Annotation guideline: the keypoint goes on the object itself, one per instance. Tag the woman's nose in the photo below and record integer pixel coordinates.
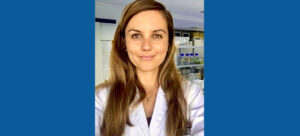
(147, 44)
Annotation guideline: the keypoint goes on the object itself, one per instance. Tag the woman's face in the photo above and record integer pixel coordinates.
(146, 37)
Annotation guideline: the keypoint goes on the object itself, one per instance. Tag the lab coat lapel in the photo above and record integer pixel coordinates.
(139, 118)
(159, 114)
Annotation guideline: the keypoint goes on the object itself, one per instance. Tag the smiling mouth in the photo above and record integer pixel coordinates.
(146, 57)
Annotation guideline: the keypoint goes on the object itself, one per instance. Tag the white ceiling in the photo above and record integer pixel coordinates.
(187, 14)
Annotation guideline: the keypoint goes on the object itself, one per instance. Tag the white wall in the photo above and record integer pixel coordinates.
(103, 35)
(108, 11)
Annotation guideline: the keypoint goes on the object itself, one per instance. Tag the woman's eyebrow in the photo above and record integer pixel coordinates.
(160, 30)
(133, 30)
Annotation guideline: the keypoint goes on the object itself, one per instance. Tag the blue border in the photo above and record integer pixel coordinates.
(47, 68)
(251, 68)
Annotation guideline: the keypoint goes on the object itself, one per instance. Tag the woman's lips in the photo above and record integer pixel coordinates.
(146, 57)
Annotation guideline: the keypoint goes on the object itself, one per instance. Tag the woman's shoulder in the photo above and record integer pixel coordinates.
(193, 90)
(101, 94)
(102, 89)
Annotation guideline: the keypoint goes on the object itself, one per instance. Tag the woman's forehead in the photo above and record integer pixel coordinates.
(147, 20)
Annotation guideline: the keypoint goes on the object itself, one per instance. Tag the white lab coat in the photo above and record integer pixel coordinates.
(194, 97)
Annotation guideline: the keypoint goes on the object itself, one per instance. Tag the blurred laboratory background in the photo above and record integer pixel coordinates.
(188, 17)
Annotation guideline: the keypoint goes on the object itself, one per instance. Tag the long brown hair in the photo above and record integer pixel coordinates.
(123, 79)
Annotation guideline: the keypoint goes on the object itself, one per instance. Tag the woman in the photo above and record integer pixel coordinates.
(144, 95)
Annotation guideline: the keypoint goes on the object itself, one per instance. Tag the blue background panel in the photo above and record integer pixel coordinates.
(47, 68)
(251, 68)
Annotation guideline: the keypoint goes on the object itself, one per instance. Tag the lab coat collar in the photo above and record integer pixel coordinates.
(159, 113)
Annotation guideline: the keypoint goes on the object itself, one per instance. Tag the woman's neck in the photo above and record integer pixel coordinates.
(149, 81)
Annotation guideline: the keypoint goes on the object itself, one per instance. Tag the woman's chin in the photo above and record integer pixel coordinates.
(147, 69)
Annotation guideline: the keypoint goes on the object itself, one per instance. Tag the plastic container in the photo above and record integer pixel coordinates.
(196, 59)
(192, 60)
(187, 59)
(182, 60)
(178, 59)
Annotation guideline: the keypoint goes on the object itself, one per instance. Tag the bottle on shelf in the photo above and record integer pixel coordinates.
(201, 61)
(187, 59)
(196, 58)
(179, 59)
(192, 60)
(182, 61)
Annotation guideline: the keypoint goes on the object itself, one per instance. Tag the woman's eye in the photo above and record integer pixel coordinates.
(157, 36)
(135, 36)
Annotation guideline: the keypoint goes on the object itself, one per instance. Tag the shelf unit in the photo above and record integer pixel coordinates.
(191, 65)
(189, 71)
(184, 46)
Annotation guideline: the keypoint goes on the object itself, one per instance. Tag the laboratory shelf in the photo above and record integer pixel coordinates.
(190, 65)
(189, 47)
